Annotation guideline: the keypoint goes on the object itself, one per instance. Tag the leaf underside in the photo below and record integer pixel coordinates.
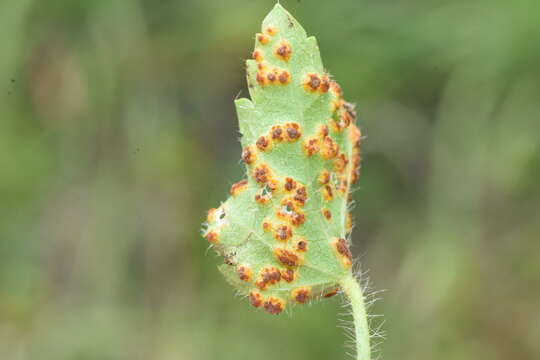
(283, 230)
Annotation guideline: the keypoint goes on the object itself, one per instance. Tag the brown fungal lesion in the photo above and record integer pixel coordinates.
(315, 83)
(283, 50)
(311, 146)
(277, 133)
(238, 187)
(326, 213)
(262, 174)
(331, 293)
(289, 184)
(274, 306)
(342, 251)
(244, 273)
(212, 237)
(271, 30)
(329, 148)
(249, 155)
(324, 177)
(287, 257)
(292, 131)
(288, 275)
(283, 233)
(263, 143)
(263, 39)
(301, 295)
(301, 245)
(255, 299)
(268, 276)
(327, 192)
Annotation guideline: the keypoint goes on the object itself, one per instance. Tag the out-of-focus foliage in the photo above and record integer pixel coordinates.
(117, 131)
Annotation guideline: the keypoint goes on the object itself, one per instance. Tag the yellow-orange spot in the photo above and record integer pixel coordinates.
(292, 131)
(349, 222)
(271, 30)
(257, 55)
(301, 295)
(263, 143)
(340, 163)
(255, 298)
(263, 39)
(277, 133)
(326, 213)
(238, 187)
(324, 177)
(268, 276)
(286, 257)
(289, 275)
(267, 226)
(342, 251)
(311, 146)
(301, 245)
(211, 215)
(289, 185)
(283, 50)
(274, 306)
(327, 192)
(284, 77)
(244, 273)
(212, 237)
(283, 233)
(249, 155)
(329, 148)
(261, 173)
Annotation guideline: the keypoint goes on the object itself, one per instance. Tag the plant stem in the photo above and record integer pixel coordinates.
(352, 290)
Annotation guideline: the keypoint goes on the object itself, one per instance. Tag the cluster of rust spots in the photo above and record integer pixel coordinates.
(301, 295)
(268, 276)
(288, 275)
(255, 298)
(290, 206)
(283, 233)
(329, 148)
(261, 174)
(244, 273)
(326, 213)
(212, 237)
(286, 257)
(331, 293)
(355, 137)
(340, 163)
(249, 155)
(343, 252)
(274, 76)
(274, 305)
(311, 146)
(292, 131)
(290, 184)
(263, 143)
(238, 187)
(315, 83)
(283, 50)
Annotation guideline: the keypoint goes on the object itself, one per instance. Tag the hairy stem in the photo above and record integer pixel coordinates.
(352, 290)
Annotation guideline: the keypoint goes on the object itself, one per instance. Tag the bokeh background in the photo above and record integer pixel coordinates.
(118, 131)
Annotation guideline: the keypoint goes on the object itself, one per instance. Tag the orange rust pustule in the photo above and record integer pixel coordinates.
(211, 215)
(261, 174)
(301, 245)
(327, 213)
(290, 184)
(316, 83)
(255, 299)
(262, 199)
(212, 237)
(311, 146)
(244, 273)
(263, 39)
(336, 89)
(263, 143)
(340, 163)
(298, 219)
(343, 185)
(248, 155)
(331, 293)
(283, 50)
(268, 276)
(277, 133)
(355, 138)
(274, 306)
(348, 115)
(292, 131)
(257, 55)
(271, 30)
(287, 257)
(238, 187)
(288, 275)
(329, 148)
(327, 192)
(349, 222)
(324, 177)
(301, 295)
(284, 77)
(323, 131)
(341, 247)
(301, 195)
(271, 76)
(261, 78)
(283, 233)
(267, 226)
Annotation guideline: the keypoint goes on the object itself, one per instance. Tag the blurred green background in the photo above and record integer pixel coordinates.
(118, 131)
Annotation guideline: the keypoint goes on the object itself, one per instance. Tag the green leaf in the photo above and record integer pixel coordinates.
(283, 231)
